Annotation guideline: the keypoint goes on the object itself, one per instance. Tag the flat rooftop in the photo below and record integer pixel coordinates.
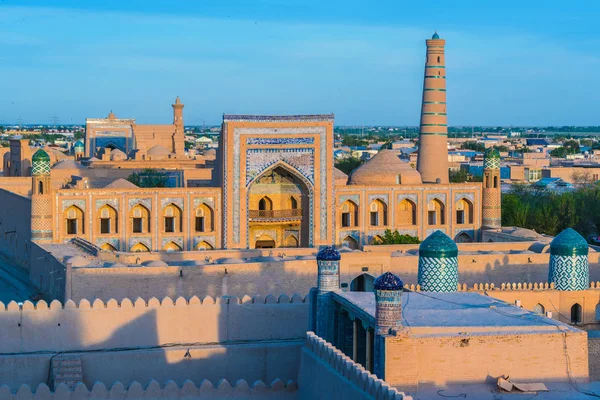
(440, 314)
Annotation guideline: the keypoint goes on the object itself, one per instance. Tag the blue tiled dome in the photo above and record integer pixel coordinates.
(435, 36)
(569, 243)
(438, 245)
(328, 253)
(78, 144)
(388, 281)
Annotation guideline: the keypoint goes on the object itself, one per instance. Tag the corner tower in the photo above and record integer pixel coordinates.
(41, 198)
(492, 195)
(432, 162)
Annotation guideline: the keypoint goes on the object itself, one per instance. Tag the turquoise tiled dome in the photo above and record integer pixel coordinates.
(435, 36)
(438, 264)
(328, 253)
(388, 281)
(491, 158)
(40, 163)
(78, 145)
(438, 245)
(569, 243)
(569, 267)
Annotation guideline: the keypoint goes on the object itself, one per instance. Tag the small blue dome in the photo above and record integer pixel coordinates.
(328, 253)
(79, 144)
(435, 36)
(388, 281)
(438, 245)
(569, 243)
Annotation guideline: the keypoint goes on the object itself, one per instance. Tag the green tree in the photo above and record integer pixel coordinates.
(148, 178)
(395, 237)
(348, 164)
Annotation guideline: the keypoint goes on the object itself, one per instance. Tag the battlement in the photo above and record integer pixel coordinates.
(332, 381)
(189, 390)
(152, 302)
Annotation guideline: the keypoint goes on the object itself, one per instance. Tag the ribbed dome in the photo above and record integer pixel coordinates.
(383, 169)
(491, 158)
(435, 36)
(438, 245)
(40, 155)
(388, 281)
(328, 253)
(569, 243)
(117, 155)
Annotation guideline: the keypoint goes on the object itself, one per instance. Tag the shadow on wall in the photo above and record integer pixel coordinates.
(170, 341)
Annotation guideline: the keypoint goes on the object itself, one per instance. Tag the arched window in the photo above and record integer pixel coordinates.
(576, 314)
(108, 220)
(172, 246)
(138, 248)
(439, 58)
(539, 309)
(204, 219)
(378, 213)
(108, 247)
(464, 212)
(362, 283)
(495, 182)
(40, 187)
(487, 181)
(350, 242)
(172, 218)
(349, 214)
(293, 203)
(203, 245)
(140, 219)
(265, 204)
(291, 241)
(436, 213)
(407, 213)
(75, 221)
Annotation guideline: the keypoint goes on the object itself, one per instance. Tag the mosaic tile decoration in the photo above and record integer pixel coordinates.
(438, 274)
(208, 239)
(146, 241)
(355, 198)
(464, 195)
(40, 168)
(146, 202)
(175, 239)
(79, 203)
(258, 160)
(382, 197)
(279, 141)
(569, 272)
(114, 203)
(178, 201)
(440, 196)
(412, 197)
(235, 207)
(209, 201)
(328, 278)
(114, 242)
(355, 234)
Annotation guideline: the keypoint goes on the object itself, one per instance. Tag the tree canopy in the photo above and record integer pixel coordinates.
(395, 237)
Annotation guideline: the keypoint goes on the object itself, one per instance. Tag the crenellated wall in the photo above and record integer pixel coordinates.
(326, 373)
(251, 338)
(277, 390)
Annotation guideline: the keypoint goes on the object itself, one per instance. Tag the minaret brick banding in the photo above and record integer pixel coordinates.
(432, 162)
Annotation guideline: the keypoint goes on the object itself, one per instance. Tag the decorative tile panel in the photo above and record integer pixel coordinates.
(79, 203)
(146, 241)
(206, 200)
(175, 239)
(114, 203)
(146, 202)
(168, 200)
(382, 197)
(412, 197)
(258, 160)
(438, 274)
(464, 195)
(569, 272)
(208, 239)
(355, 198)
(279, 141)
(114, 242)
(440, 196)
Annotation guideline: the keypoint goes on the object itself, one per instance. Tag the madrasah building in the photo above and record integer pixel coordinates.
(271, 184)
(473, 303)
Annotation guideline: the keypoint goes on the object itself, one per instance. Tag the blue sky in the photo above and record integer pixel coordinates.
(510, 62)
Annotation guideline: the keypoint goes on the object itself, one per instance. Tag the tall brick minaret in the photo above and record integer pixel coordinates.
(491, 197)
(432, 162)
(178, 135)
